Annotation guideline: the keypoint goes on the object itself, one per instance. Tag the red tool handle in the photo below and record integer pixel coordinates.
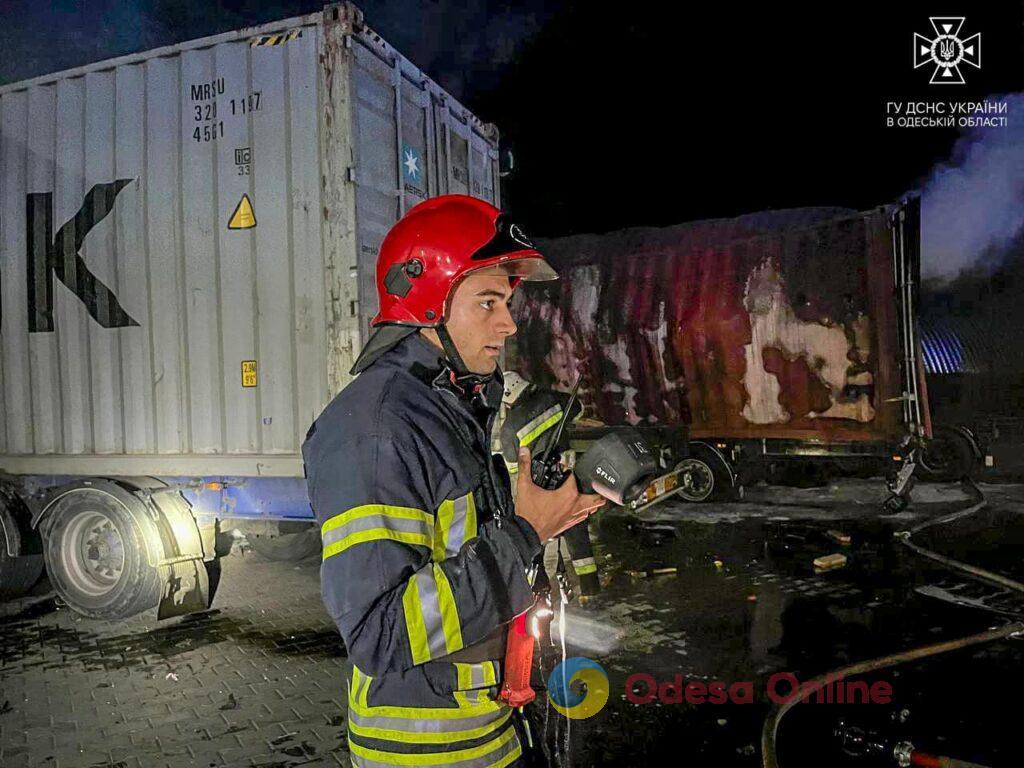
(515, 688)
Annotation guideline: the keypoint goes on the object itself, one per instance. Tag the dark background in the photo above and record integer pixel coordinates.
(631, 114)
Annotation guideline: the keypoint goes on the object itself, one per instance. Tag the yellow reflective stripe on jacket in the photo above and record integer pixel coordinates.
(421, 724)
(484, 671)
(359, 688)
(430, 725)
(584, 566)
(431, 617)
(474, 682)
(456, 524)
(425, 731)
(432, 713)
(537, 426)
(495, 753)
(479, 675)
(372, 522)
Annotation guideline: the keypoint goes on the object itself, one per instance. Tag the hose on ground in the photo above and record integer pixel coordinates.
(904, 538)
(769, 758)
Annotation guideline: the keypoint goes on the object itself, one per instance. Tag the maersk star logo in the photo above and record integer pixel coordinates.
(411, 163)
(947, 51)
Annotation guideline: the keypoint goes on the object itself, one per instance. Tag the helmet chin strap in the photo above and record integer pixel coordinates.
(464, 378)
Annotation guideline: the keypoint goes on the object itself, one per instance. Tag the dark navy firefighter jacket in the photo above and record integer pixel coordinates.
(424, 561)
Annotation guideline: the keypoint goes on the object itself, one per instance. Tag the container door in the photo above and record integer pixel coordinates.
(394, 139)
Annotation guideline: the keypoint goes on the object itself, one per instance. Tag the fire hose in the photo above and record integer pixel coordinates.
(903, 537)
(769, 757)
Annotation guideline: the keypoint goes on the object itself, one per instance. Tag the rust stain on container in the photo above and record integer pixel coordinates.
(776, 325)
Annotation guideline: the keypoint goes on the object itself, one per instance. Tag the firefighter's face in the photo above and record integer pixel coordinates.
(479, 320)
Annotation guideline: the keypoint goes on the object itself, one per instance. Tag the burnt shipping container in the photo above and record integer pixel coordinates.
(782, 333)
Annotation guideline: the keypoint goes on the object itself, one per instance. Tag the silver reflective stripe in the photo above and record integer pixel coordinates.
(457, 531)
(507, 745)
(371, 522)
(483, 674)
(476, 675)
(431, 608)
(428, 724)
(532, 424)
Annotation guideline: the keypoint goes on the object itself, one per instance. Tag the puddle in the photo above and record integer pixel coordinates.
(744, 602)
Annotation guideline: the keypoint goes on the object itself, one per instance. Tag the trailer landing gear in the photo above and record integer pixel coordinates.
(900, 483)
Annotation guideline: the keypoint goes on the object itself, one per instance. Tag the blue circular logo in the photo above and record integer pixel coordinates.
(578, 687)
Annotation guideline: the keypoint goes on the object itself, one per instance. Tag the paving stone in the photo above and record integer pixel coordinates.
(211, 689)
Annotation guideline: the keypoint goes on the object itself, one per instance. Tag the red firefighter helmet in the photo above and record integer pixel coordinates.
(426, 254)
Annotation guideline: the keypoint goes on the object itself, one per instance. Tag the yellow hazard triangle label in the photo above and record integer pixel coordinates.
(243, 217)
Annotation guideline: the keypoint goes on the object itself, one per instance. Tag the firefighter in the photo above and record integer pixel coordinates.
(531, 419)
(425, 557)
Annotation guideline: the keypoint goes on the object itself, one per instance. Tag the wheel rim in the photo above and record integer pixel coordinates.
(696, 480)
(939, 456)
(92, 552)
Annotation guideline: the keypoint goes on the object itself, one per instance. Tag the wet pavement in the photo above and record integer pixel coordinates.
(258, 680)
(746, 603)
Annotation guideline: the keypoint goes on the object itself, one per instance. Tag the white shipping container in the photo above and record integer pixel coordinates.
(188, 239)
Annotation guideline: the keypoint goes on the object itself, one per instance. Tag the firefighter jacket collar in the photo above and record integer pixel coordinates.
(428, 364)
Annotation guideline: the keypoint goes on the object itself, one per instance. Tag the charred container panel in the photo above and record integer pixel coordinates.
(778, 325)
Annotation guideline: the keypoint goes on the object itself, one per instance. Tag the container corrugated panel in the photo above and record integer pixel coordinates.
(399, 110)
(773, 325)
(183, 281)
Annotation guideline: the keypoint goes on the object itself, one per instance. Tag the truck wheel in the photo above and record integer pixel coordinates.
(947, 457)
(20, 572)
(289, 545)
(697, 480)
(95, 552)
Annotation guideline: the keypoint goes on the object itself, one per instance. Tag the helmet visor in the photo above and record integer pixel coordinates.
(527, 266)
(510, 252)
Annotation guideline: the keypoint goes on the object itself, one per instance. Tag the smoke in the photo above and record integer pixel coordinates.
(972, 206)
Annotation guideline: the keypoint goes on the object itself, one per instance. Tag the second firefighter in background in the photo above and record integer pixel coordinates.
(529, 418)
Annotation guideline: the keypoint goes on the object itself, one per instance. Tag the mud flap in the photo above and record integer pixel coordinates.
(186, 589)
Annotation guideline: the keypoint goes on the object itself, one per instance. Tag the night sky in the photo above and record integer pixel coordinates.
(635, 114)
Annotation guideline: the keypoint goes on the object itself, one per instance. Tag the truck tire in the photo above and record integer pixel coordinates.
(95, 550)
(948, 457)
(20, 572)
(706, 476)
(290, 545)
(697, 480)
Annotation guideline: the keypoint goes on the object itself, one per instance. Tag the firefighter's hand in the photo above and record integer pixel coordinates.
(551, 512)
